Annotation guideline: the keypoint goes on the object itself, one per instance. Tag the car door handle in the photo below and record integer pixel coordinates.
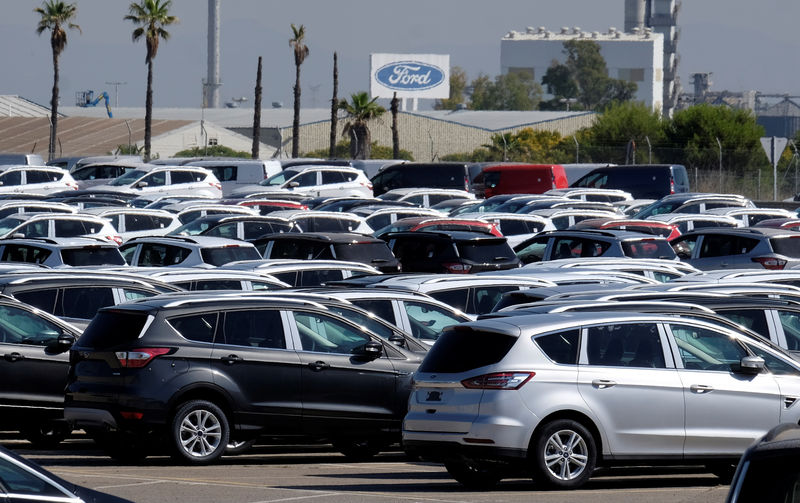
(231, 359)
(318, 365)
(701, 388)
(603, 383)
(13, 357)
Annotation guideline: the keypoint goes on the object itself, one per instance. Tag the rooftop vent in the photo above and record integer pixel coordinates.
(576, 30)
(530, 30)
(564, 30)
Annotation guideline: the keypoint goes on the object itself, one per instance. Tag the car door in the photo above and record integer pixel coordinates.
(31, 376)
(332, 183)
(343, 392)
(629, 363)
(253, 357)
(725, 410)
(11, 181)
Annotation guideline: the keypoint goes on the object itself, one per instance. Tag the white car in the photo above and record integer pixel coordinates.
(313, 181)
(166, 180)
(57, 225)
(35, 180)
(136, 222)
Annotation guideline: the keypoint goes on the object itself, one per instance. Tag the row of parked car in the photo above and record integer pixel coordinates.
(495, 360)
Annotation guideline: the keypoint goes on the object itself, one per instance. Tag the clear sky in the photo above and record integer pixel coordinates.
(746, 44)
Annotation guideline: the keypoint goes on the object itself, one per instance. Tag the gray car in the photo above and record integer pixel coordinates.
(739, 248)
(553, 394)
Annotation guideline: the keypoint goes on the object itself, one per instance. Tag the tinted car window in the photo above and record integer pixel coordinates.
(332, 177)
(38, 176)
(84, 302)
(578, 247)
(488, 251)
(717, 245)
(789, 246)
(184, 177)
(135, 222)
(217, 284)
(74, 228)
(159, 255)
(111, 328)
(11, 178)
(648, 248)
(42, 299)
(197, 327)
(428, 320)
(253, 230)
(625, 345)
(24, 253)
(224, 173)
(261, 328)
(318, 277)
(754, 319)
(380, 308)
(368, 252)
(561, 347)
(456, 298)
(459, 350)
(484, 298)
(92, 255)
(533, 251)
(221, 256)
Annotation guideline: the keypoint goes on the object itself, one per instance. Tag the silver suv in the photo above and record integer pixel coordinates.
(560, 394)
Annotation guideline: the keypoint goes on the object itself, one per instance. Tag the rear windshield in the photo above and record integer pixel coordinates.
(225, 254)
(462, 349)
(365, 252)
(92, 255)
(789, 246)
(648, 248)
(487, 251)
(112, 328)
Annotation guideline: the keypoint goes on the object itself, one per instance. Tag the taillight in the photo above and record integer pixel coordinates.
(466, 183)
(671, 185)
(115, 239)
(498, 380)
(140, 357)
(457, 267)
(771, 263)
(216, 184)
(72, 185)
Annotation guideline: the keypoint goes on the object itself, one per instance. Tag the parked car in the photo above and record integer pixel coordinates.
(687, 222)
(329, 246)
(550, 395)
(749, 217)
(337, 381)
(325, 221)
(234, 173)
(563, 218)
(592, 194)
(442, 175)
(654, 227)
(312, 181)
(424, 197)
(166, 180)
(190, 279)
(739, 248)
(57, 225)
(183, 251)
(244, 227)
(136, 222)
(692, 202)
(512, 178)
(378, 217)
(12, 206)
(457, 252)
(61, 252)
(642, 181)
(567, 244)
(515, 227)
(300, 273)
(102, 173)
(35, 180)
(8, 158)
(440, 223)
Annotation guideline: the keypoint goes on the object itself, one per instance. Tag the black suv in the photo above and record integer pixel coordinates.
(451, 251)
(329, 245)
(206, 370)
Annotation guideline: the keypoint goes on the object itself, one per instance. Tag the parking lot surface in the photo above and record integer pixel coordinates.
(316, 473)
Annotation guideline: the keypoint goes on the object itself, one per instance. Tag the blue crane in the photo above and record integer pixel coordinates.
(87, 99)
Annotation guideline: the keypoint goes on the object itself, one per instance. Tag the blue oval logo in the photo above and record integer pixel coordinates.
(409, 76)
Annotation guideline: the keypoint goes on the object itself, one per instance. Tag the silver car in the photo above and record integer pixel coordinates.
(560, 394)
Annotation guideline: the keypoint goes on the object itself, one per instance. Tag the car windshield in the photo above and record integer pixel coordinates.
(92, 255)
(128, 178)
(8, 224)
(193, 228)
(277, 179)
(657, 208)
(454, 350)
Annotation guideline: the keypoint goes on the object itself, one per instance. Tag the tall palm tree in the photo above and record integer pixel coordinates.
(359, 112)
(55, 15)
(151, 16)
(297, 43)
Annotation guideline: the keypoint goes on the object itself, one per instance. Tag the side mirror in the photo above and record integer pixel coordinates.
(293, 185)
(18, 235)
(751, 365)
(141, 185)
(63, 343)
(397, 340)
(371, 350)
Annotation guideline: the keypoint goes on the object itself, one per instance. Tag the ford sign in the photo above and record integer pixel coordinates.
(409, 76)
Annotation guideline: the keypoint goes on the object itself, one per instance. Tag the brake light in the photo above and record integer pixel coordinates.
(457, 267)
(466, 183)
(771, 263)
(671, 185)
(115, 239)
(140, 357)
(216, 184)
(498, 380)
(72, 185)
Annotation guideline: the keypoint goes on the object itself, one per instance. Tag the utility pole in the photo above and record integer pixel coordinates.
(116, 91)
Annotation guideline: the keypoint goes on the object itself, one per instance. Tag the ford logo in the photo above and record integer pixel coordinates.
(409, 76)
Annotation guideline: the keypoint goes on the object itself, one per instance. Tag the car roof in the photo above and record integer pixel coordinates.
(201, 241)
(322, 237)
(754, 232)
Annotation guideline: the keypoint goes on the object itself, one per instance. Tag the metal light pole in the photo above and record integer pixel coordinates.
(116, 91)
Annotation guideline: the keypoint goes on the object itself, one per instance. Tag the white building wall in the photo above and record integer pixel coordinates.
(627, 55)
(193, 135)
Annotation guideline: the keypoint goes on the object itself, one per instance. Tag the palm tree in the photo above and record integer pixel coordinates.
(151, 16)
(297, 43)
(359, 112)
(54, 16)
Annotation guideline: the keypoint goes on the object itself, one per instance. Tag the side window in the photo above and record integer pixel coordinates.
(217, 284)
(571, 247)
(127, 252)
(428, 320)
(84, 302)
(162, 222)
(11, 179)
(485, 298)
(457, 299)
(182, 177)
(22, 327)
(561, 347)
(37, 176)
(754, 319)
(685, 246)
(305, 179)
(534, 251)
(320, 333)
(790, 320)
(561, 222)
(625, 345)
(42, 299)
(380, 308)
(197, 327)
(260, 328)
(135, 222)
(19, 481)
(773, 363)
(329, 177)
(704, 349)
(38, 229)
(133, 294)
(227, 230)
(157, 179)
(290, 278)
(224, 173)
(319, 276)
(69, 228)
(158, 255)
(23, 253)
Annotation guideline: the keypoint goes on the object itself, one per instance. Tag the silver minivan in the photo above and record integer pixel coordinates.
(557, 395)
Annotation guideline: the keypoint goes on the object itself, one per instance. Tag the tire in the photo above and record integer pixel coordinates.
(46, 435)
(359, 450)
(563, 454)
(473, 475)
(239, 446)
(199, 432)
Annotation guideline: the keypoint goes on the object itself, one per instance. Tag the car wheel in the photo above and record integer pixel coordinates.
(199, 432)
(46, 435)
(359, 450)
(564, 454)
(239, 446)
(473, 475)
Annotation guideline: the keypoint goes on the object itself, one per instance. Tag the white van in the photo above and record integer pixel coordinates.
(233, 173)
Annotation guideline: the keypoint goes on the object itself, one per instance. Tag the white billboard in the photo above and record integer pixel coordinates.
(410, 75)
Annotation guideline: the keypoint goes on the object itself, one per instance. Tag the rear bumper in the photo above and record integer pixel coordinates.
(444, 451)
(90, 418)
